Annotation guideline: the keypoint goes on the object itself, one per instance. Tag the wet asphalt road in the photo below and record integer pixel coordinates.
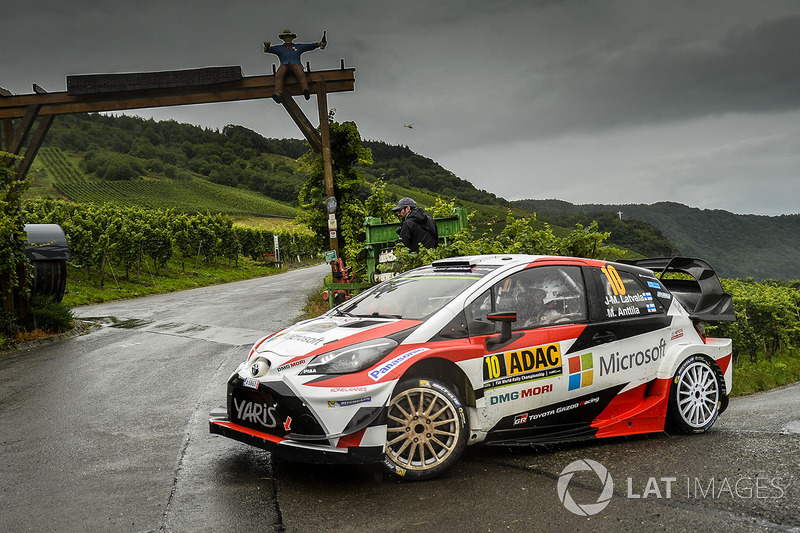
(109, 432)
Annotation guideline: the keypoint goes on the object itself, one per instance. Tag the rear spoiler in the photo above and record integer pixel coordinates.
(702, 296)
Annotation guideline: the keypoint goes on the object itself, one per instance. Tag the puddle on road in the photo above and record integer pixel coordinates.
(178, 327)
(792, 428)
(224, 335)
(138, 323)
(114, 322)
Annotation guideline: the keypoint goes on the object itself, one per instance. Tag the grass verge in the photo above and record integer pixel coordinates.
(749, 377)
(85, 289)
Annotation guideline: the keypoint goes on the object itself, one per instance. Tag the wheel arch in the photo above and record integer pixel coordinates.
(445, 371)
(674, 359)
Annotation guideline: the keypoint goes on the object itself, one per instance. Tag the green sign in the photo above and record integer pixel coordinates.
(330, 256)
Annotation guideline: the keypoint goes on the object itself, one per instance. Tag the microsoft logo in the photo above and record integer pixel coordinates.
(581, 371)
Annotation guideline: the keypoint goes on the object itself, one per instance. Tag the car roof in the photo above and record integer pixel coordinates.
(510, 259)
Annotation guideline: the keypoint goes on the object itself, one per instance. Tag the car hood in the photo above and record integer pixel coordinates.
(324, 334)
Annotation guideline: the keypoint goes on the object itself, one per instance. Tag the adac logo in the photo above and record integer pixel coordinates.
(585, 509)
(528, 364)
(581, 371)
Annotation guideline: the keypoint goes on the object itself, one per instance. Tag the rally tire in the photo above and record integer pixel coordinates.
(695, 397)
(426, 430)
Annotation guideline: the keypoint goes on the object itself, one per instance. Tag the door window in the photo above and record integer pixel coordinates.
(540, 296)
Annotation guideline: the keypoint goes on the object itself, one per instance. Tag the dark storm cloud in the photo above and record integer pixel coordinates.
(748, 70)
(519, 97)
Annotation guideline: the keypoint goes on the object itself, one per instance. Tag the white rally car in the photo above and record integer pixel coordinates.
(501, 349)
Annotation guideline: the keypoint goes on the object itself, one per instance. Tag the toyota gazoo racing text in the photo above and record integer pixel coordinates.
(501, 349)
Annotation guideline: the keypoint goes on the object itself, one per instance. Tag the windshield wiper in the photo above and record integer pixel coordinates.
(380, 315)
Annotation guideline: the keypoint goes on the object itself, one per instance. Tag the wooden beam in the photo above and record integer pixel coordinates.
(24, 129)
(307, 129)
(8, 134)
(36, 141)
(249, 88)
(33, 147)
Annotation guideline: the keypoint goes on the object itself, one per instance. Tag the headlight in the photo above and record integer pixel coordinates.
(351, 358)
(258, 367)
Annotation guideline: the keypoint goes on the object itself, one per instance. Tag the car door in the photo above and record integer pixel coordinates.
(524, 375)
(630, 335)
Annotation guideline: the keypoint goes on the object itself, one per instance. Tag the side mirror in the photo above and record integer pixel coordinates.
(505, 320)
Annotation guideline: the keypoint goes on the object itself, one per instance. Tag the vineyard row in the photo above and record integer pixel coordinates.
(108, 234)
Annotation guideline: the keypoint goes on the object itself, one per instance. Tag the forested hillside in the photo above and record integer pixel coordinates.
(125, 148)
(398, 165)
(737, 246)
(635, 235)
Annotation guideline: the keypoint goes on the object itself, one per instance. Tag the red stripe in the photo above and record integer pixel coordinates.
(639, 410)
(248, 431)
(723, 362)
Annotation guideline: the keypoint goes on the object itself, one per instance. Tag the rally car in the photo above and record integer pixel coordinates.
(500, 349)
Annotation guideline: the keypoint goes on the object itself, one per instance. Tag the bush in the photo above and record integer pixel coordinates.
(50, 315)
(8, 325)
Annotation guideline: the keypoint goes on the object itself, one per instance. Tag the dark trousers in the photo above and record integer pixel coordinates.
(297, 70)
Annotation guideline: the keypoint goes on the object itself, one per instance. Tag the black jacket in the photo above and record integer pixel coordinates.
(418, 228)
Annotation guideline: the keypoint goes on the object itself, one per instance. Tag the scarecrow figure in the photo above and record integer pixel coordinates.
(289, 53)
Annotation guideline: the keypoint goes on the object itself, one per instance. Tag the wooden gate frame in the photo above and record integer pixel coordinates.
(164, 91)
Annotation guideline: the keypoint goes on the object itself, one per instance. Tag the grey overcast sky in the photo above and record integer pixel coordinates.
(588, 101)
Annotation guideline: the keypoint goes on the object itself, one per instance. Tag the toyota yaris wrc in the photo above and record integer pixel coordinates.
(501, 349)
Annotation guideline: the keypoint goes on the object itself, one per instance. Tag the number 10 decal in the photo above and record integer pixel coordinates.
(613, 279)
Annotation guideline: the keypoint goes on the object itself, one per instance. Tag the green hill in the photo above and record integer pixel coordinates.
(133, 161)
(60, 177)
(737, 246)
(92, 157)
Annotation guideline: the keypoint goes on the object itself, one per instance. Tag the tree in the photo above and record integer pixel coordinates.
(349, 187)
(13, 262)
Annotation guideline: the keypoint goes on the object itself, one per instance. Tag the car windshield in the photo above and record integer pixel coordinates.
(412, 297)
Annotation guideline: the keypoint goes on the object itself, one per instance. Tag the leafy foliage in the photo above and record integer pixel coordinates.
(12, 239)
(126, 237)
(349, 186)
(518, 236)
(49, 315)
(768, 318)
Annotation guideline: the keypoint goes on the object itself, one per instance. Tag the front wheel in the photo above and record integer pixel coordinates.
(696, 396)
(426, 430)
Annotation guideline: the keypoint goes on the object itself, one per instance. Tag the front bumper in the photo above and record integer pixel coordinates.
(292, 450)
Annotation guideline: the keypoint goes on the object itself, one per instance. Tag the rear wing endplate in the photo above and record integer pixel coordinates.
(702, 296)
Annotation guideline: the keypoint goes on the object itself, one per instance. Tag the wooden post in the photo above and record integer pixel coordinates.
(8, 128)
(325, 133)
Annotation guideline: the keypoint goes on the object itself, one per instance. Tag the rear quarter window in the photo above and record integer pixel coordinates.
(624, 294)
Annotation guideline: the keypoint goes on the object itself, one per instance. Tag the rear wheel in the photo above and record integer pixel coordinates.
(696, 395)
(426, 430)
